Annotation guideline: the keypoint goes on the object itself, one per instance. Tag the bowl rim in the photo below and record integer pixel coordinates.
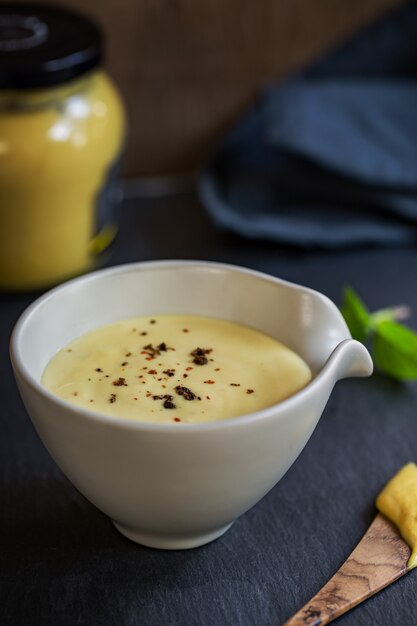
(276, 410)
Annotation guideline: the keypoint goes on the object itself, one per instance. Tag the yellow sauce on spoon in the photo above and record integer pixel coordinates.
(398, 502)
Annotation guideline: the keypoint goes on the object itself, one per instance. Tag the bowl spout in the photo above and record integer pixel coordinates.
(350, 359)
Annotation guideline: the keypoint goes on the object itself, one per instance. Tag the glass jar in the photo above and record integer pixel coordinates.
(61, 135)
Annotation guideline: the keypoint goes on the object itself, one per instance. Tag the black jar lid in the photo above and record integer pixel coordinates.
(41, 46)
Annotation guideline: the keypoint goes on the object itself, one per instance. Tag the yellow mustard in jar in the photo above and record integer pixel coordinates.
(61, 134)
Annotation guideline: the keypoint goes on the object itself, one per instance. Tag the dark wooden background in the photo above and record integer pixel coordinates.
(187, 68)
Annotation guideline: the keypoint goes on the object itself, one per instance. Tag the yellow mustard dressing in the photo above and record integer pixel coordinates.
(179, 368)
(57, 146)
(398, 502)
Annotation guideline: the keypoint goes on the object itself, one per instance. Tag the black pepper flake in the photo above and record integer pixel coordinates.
(153, 372)
(168, 404)
(168, 401)
(144, 333)
(186, 393)
(170, 372)
(120, 382)
(200, 360)
(98, 369)
(112, 398)
(235, 384)
(163, 347)
(185, 375)
(125, 363)
(152, 321)
(249, 391)
(128, 354)
(151, 351)
(199, 355)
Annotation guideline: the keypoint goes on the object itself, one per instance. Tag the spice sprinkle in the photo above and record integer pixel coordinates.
(245, 369)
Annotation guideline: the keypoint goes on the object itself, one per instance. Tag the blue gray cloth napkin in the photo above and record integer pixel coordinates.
(328, 158)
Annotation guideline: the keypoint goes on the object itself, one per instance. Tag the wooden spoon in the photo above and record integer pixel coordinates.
(378, 560)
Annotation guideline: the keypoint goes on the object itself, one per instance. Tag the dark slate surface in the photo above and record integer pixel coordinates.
(61, 561)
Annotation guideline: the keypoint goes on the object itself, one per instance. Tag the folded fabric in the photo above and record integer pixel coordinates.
(328, 158)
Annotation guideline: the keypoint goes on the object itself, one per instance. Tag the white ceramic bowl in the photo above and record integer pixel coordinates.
(181, 486)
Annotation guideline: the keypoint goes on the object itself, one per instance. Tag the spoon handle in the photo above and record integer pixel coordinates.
(378, 560)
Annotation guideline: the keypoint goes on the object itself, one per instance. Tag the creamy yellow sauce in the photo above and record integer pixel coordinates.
(56, 147)
(398, 501)
(175, 368)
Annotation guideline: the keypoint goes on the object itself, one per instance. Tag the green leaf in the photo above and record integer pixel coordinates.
(395, 350)
(356, 315)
